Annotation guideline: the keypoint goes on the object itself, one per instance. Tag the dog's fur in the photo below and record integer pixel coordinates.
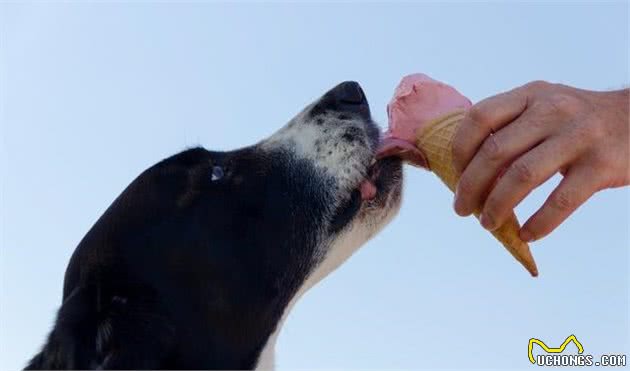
(198, 261)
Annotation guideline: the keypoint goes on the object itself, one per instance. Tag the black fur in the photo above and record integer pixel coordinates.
(191, 260)
(189, 271)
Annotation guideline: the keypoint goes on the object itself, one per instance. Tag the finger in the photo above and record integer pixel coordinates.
(483, 118)
(496, 152)
(523, 175)
(577, 186)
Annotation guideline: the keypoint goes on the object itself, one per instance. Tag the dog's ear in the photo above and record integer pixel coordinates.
(94, 327)
(134, 335)
(113, 335)
(71, 343)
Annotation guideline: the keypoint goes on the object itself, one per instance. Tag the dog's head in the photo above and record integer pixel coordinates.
(297, 204)
(344, 195)
(310, 195)
(237, 236)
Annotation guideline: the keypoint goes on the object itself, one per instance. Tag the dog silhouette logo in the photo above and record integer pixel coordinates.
(547, 349)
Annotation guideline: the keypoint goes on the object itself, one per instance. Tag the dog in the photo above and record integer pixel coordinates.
(198, 262)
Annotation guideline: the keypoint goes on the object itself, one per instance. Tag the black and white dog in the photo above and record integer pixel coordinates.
(197, 263)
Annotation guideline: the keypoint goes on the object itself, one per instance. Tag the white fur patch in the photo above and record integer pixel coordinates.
(338, 147)
(367, 224)
(324, 145)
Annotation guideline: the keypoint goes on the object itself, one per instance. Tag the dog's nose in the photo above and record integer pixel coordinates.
(348, 92)
(345, 97)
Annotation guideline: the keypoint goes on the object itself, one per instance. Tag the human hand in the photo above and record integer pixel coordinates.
(510, 143)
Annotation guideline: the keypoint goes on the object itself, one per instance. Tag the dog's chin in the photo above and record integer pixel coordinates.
(384, 179)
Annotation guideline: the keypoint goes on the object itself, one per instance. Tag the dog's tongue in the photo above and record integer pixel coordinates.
(391, 146)
(367, 189)
(418, 99)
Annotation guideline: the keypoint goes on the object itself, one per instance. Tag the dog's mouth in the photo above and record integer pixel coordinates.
(368, 187)
(387, 149)
(383, 178)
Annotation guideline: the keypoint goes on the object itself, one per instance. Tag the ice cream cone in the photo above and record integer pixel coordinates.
(435, 142)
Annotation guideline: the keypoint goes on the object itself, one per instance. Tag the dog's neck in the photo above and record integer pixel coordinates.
(266, 360)
(343, 247)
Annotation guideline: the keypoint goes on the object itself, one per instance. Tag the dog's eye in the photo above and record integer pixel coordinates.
(217, 173)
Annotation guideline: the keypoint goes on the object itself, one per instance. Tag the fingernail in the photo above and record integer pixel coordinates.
(486, 221)
(457, 205)
(526, 235)
(458, 208)
(455, 202)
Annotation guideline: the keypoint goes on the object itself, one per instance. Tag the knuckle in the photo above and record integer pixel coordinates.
(479, 115)
(586, 132)
(602, 166)
(522, 171)
(563, 104)
(564, 199)
(491, 149)
(536, 85)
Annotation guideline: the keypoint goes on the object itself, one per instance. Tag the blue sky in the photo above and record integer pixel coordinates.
(92, 94)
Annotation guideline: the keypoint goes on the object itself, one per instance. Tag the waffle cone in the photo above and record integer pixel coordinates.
(435, 141)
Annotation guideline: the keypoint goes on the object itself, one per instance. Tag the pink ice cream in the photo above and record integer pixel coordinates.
(418, 99)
